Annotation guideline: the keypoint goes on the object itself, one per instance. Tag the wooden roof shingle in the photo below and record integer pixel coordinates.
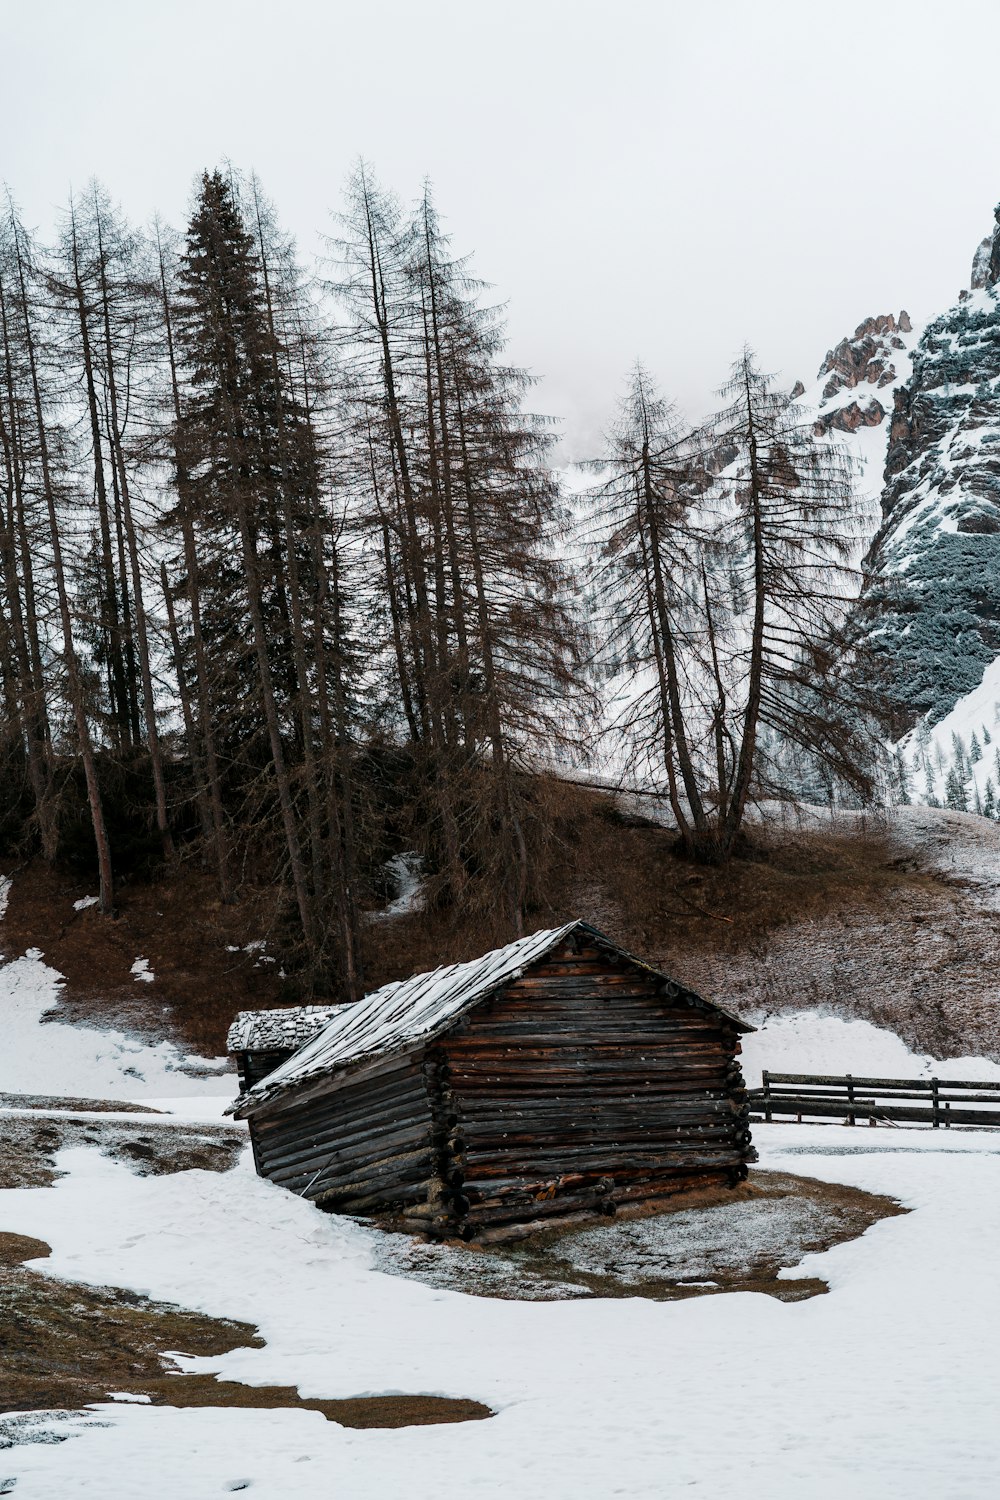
(279, 1030)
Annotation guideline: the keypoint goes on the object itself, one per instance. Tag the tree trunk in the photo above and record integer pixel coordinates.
(751, 717)
(31, 701)
(684, 761)
(184, 693)
(118, 457)
(112, 615)
(69, 648)
(494, 717)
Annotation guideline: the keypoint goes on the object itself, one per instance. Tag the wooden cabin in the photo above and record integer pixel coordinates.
(553, 1077)
(261, 1040)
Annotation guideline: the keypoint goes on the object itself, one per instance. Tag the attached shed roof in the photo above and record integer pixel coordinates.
(411, 1011)
(279, 1030)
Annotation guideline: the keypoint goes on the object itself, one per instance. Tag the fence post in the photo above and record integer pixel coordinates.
(935, 1103)
(765, 1079)
(851, 1117)
(947, 1117)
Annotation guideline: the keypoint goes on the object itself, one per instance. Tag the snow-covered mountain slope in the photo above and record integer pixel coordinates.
(956, 761)
(932, 599)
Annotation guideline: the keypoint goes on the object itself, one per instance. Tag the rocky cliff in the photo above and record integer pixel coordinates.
(873, 359)
(931, 604)
(851, 400)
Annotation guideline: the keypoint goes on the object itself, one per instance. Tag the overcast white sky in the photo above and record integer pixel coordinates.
(662, 180)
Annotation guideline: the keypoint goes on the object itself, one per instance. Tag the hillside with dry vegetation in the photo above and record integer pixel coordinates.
(886, 920)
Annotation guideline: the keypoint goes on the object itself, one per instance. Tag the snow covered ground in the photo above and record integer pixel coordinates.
(884, 1388)
(811, 1041)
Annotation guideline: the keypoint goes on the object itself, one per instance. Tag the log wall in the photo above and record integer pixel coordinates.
(586, 1084)
(253, 1066)
(355, 1146)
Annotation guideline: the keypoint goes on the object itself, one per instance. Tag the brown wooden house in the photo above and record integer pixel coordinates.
(555, 1076)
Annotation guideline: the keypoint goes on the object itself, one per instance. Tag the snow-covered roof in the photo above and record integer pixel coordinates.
(278, 1030)
(407, 1012)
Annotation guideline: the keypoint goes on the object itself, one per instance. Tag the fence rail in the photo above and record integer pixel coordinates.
(939, 1101)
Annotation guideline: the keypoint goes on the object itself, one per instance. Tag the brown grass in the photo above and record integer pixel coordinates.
(31, 1142)
(351, 1411)
(622, 874)
(79, 1106)
(625, 875)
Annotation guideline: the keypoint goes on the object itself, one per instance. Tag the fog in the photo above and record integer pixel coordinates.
(646, 180)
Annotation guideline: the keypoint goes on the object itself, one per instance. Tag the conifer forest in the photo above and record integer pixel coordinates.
(290, 579)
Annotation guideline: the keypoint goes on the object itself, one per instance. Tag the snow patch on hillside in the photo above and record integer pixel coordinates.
(54, 1057)
(866, 445)
(408, 873)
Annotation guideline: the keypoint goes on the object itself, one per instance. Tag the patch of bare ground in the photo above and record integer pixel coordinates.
(707, 1242)
(65, 1344)
(195, 943)
(350, 1411)
(30, 1144)
(80, 1106)
(864, 918)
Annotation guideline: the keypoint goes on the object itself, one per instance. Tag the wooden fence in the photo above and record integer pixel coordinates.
(894, 1101)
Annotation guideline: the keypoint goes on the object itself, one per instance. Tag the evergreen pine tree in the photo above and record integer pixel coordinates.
(238, 438)
(956, 796)
(959, 758)
(930, 791)
(902, 779)
(230, 437)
